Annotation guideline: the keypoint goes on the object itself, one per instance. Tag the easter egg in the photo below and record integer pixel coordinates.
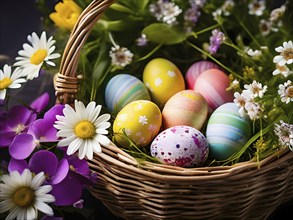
(141, 121)
(196, 69)
(227, 131)
(186, 107)
(182, 146)
(123, 89)
(212, 84)
(163, 79)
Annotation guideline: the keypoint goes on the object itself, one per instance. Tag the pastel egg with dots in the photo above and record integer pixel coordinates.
(163, 79)
(140, 121)
(196, 69)
(123, 89)
(182, 146)
(186, 107)
(213, 84)
(227, 131)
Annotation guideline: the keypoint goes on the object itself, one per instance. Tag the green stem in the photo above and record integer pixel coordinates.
(215, 60)
(150, 53)
(195, 34)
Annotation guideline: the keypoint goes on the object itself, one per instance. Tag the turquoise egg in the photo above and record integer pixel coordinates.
(227, 131)
(123, 89)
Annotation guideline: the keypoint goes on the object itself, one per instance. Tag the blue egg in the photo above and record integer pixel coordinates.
(227, 131)
(123, 89)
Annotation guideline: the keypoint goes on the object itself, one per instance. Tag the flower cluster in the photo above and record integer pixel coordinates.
(47, 146)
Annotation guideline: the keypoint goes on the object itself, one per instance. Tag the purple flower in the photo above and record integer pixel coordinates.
(216, 40)
(43, 161)
(40, 131)
(14, 122)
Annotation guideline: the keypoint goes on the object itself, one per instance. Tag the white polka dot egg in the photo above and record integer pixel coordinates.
(182, 146)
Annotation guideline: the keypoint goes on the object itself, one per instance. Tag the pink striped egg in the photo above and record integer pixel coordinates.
(196, 69)
(212, 84)
(186, 107)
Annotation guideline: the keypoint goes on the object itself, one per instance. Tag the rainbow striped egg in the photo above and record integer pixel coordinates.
(227, 131)
(123, 89)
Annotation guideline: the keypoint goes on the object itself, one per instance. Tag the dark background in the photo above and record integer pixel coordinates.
(18, 19)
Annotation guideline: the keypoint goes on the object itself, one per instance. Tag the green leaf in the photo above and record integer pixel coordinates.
(118, 25)
(164, 34)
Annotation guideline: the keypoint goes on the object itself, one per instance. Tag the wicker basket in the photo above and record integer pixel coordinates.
(247, 190)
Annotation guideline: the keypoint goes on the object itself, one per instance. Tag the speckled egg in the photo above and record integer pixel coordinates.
(212, 84)
(186, 107)
(123, 89)
(141, 121)
(163, 79)
(196, 69)
(227, 131)
(182, 146)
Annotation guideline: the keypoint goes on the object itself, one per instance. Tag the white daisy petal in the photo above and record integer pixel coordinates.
(74, 146)
(43, 207)
(97, 147)
(102, 139)
(66, 141)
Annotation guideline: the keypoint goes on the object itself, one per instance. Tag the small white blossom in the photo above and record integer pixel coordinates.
(256, 7)
(254, 110)
(256, 89)
(265, 27)
(277, 13)
(283, 70)
(286, 54)
(120, 56)
(284, 132)
(253, 53)
(165, 11)
(227, 7)
(286, 92)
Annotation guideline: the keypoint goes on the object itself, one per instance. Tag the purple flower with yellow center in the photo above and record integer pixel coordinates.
(40, 131)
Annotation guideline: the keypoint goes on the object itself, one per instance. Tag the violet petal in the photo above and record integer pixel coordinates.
(52, 112)
(61, 172)
(19, 115)
(41, 102)
(68, 191)
(18, 165)
(44, 161)
(22, 146)
(6, 138)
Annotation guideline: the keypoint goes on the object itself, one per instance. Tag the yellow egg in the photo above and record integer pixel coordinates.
(141, 121)
(163, 79)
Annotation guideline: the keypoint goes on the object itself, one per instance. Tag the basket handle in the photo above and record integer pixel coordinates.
(65, 82)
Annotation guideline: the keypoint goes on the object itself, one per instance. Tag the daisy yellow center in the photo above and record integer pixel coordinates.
(38, 57)
(5, 82)
(85, 130)
(288, 54)
(24, 196)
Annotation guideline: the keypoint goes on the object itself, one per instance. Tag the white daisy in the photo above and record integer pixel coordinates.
(10, 80)
(32, 57)
(286, 54)
(23, 195)
(83, 129)
(286, 92)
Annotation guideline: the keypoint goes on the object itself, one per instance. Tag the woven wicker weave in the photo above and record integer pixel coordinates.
(247, 190)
